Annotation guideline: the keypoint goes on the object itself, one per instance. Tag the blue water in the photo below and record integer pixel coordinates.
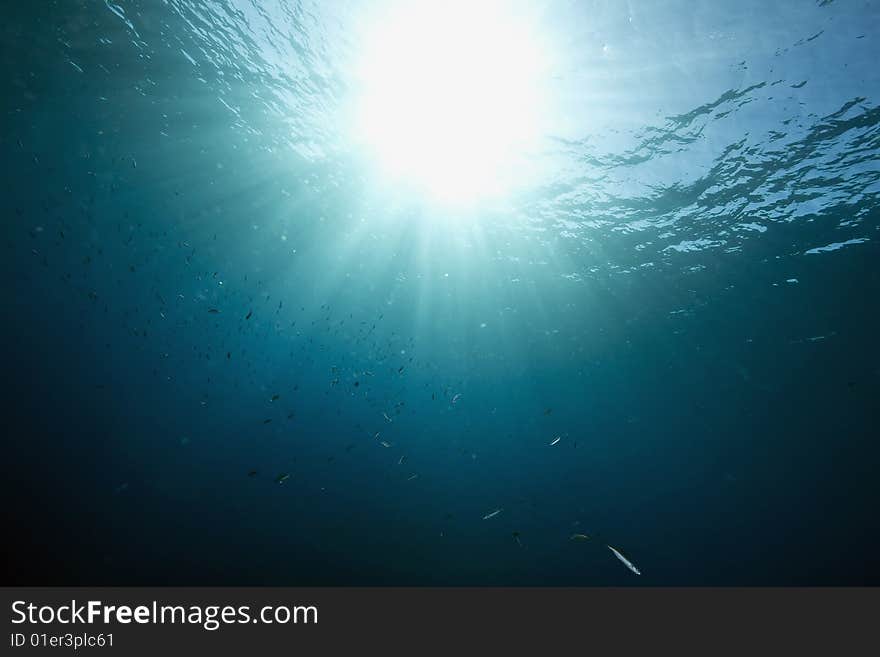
(687, 298)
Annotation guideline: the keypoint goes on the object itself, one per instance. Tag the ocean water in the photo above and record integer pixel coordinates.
(235, 354)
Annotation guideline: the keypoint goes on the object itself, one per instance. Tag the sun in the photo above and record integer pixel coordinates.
(449, 97)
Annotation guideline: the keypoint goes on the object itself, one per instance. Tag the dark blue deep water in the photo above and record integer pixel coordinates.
(234, 353)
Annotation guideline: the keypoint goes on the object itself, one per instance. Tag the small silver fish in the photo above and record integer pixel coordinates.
(626, 562)
(556, 440)
(492, 514)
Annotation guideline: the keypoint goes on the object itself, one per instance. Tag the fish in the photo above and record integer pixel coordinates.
(385, 444)
(213, 311)
(579, 537)
(456, 397)
(248, 316)
(626, 562)
(492, 514)
(280, 479)
(252, 473)
(516, 538)
(556, 440)
(412, 476)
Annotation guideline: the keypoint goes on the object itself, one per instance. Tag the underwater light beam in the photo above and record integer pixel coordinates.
(449, 98)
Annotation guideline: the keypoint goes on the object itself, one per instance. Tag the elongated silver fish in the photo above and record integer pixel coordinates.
(492, 514)
(626, 562)
(556, 440)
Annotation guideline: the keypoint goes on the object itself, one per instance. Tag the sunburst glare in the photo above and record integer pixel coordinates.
(449, 99)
